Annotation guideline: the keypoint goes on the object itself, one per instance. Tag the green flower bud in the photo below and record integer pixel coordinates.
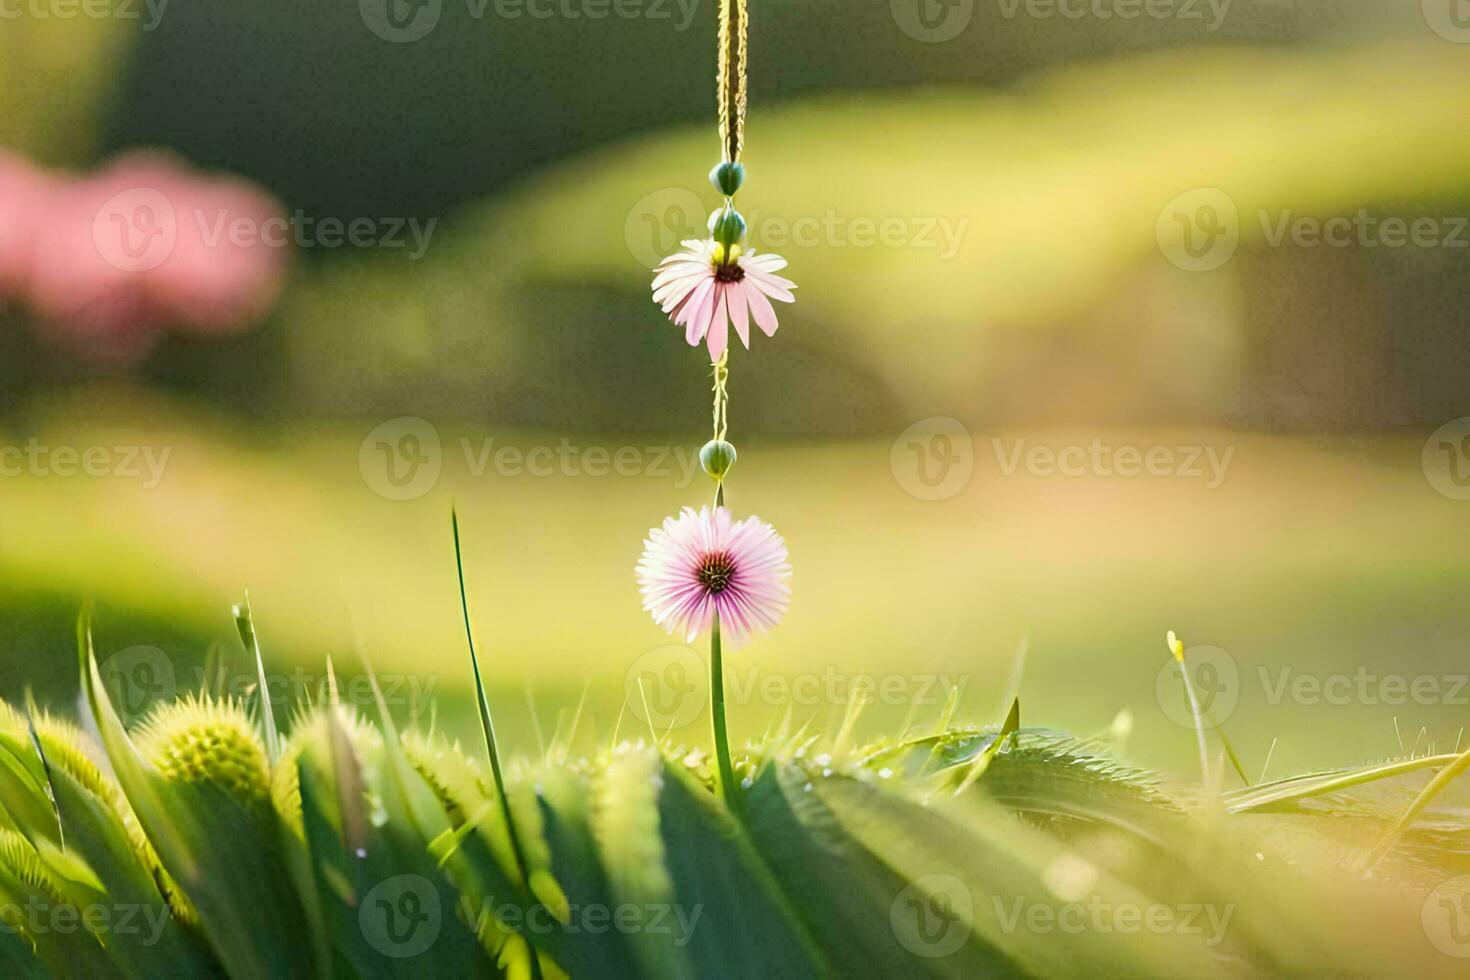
(717, 457)
(727, 226)
(727, 177)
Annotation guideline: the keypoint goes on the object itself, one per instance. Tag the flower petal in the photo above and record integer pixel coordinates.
(679, 270)
(692, 304)
(698, 324)
(719, 329)
(739, 313)
(670, 295)
(764, 262)
(773, 286)
(760, 309)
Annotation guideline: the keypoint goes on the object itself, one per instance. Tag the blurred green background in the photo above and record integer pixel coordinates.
(1034, 172)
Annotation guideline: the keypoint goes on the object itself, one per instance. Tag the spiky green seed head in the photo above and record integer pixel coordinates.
(19, 858)
(458, 780)
(311, 728)
(201, 741)
(72, 751)
(68, 748)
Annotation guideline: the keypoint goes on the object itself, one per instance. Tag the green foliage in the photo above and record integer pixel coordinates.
(361, 850)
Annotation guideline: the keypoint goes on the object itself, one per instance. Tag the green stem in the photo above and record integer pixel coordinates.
(1199, 725)
(726, 788)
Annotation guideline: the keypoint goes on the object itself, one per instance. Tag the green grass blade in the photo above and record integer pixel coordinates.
(487, 725)
(1436, 786)
(245, 623)
(1283, 792)
(1008, 728)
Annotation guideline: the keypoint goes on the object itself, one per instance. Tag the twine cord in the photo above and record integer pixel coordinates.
(731, 78)
(722, 397)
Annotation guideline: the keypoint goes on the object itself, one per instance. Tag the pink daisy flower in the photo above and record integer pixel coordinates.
(705, 562)
(705, 287)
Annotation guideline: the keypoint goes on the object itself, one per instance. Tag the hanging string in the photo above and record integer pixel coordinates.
(731, 77)
(731, 82)
(722, 398)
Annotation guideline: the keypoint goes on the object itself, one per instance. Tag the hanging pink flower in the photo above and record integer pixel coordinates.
(703, 562)
(705, 287)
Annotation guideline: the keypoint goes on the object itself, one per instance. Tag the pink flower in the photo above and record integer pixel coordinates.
(110, 261)
(704, 290)
(25, 198)
(702, 563)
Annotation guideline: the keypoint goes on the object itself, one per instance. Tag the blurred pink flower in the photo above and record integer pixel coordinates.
(704, 291)
(113, 259)
(703, 562)
(25, 191)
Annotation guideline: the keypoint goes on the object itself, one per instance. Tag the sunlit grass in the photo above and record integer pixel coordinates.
(1090, 569)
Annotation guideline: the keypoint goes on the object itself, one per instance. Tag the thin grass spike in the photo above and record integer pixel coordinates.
(488, 727)
(245, 623)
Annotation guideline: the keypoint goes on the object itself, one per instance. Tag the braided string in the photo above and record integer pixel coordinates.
(722, 399)
(731, 77)
(731, 82)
